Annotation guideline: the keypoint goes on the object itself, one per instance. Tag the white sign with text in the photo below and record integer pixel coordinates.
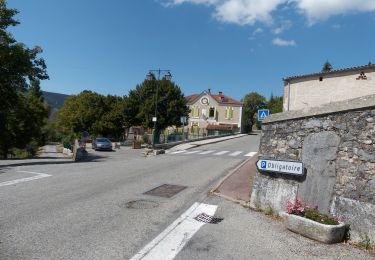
(295, 168)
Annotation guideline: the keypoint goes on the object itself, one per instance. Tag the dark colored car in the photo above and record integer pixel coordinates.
(102, 143)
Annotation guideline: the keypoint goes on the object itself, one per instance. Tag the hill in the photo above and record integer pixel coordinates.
(55, 101)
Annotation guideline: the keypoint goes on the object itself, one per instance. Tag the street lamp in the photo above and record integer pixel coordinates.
(150, 77)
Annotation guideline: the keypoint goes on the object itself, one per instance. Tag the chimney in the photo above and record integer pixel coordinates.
(220, 93)
(209, 90)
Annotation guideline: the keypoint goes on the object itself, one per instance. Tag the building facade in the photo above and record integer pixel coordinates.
(314, 90)
(214, 113)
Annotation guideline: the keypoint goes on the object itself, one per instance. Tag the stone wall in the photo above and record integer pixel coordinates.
(336, 143)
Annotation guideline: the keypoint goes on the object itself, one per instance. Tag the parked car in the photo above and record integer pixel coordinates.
(102, 143)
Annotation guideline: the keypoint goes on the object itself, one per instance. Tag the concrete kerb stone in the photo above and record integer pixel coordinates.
(193, 144)
(216, 187)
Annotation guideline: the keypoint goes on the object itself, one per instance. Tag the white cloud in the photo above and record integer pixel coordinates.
(255, 32)
(285, 25)
(281, 42)
(245, 12)
(317, 10)
(248, 12)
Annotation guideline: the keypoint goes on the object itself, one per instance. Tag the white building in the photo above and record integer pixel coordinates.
(316, 89)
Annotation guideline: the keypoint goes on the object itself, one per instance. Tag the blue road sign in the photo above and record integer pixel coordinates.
(262, 114)
(263, 164)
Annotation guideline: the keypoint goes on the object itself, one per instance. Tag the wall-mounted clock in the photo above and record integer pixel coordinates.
(204, 101)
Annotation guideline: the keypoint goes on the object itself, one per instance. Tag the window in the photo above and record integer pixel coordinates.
(195, 112)
(229, 113)
(212, 112)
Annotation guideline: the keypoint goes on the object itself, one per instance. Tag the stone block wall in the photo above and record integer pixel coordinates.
(337, 148)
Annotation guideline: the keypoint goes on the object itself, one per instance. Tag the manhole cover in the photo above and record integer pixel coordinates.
(141, 204)
(166, 190)
(203, 217)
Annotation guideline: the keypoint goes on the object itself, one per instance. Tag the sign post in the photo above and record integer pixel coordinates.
(183, 121)
(262, 114)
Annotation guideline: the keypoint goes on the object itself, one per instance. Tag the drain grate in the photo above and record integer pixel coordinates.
(203, 217)
(166, 190)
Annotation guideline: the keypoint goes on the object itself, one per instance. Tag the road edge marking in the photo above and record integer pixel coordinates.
(16, 181)
(176, 235)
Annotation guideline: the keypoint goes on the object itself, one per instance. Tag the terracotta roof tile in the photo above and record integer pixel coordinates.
(220, 98)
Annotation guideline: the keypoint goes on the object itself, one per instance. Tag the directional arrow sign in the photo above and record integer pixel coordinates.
(262, 114)
(295, 168)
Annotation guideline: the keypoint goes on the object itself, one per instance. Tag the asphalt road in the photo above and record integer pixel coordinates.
(97, 209)
(81, 210)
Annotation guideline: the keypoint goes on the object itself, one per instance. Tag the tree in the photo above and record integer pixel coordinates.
(275, 104)
(327, 67)
(22, 113)
(252, 102)
(171, 104)
(92, 112)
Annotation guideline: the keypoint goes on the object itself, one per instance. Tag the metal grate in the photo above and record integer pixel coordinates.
(203, 217)
(166, 190)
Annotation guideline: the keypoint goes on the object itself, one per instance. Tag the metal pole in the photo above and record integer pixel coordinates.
(156, 106)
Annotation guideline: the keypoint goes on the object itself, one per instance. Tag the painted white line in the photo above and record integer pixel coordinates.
(236, 153)
(251, 154)
(182, 151)
(39, 176)
(196, 151)
(170, 242)
(221, 153)
(207, 152)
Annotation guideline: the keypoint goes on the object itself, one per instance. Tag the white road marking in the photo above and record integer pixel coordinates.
(221, 153)
(182, 151)
(236, 153)
(207, 152)
(39, 176)
(170, 242)
(196, 151)
(251, 154)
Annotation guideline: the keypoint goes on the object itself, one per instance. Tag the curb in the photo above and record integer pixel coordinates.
(216, 187)
(217, 141)
(213, 190)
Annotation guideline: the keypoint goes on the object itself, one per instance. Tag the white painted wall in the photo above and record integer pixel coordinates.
(310, 92)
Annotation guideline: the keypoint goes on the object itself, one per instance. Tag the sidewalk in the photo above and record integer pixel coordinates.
(193, 144)
(237, 185)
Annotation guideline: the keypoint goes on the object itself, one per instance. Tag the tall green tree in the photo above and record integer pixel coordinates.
(327, 67)
(22, 113)
(275, 104)
(171, 104)
(92, 112)
(252, 102)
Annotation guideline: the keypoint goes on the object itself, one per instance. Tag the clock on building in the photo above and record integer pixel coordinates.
(204, 101)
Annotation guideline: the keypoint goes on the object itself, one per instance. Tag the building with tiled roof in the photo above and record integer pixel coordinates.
(214, 113)
(316, 89)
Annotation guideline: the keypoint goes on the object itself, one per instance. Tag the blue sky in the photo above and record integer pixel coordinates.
(234, 46)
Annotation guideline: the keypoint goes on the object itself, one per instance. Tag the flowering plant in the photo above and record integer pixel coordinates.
(302, 209)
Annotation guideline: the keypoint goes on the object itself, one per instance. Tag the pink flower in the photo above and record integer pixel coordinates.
(298, 203)
(289, 207)
(301, 209)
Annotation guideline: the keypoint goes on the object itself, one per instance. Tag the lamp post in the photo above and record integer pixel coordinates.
(151, 76)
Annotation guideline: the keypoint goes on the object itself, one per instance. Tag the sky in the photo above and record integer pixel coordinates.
(233, 46)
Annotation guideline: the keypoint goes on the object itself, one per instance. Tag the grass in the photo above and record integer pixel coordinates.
(366, 242)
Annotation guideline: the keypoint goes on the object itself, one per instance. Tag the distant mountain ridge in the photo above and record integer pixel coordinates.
(54, 101)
